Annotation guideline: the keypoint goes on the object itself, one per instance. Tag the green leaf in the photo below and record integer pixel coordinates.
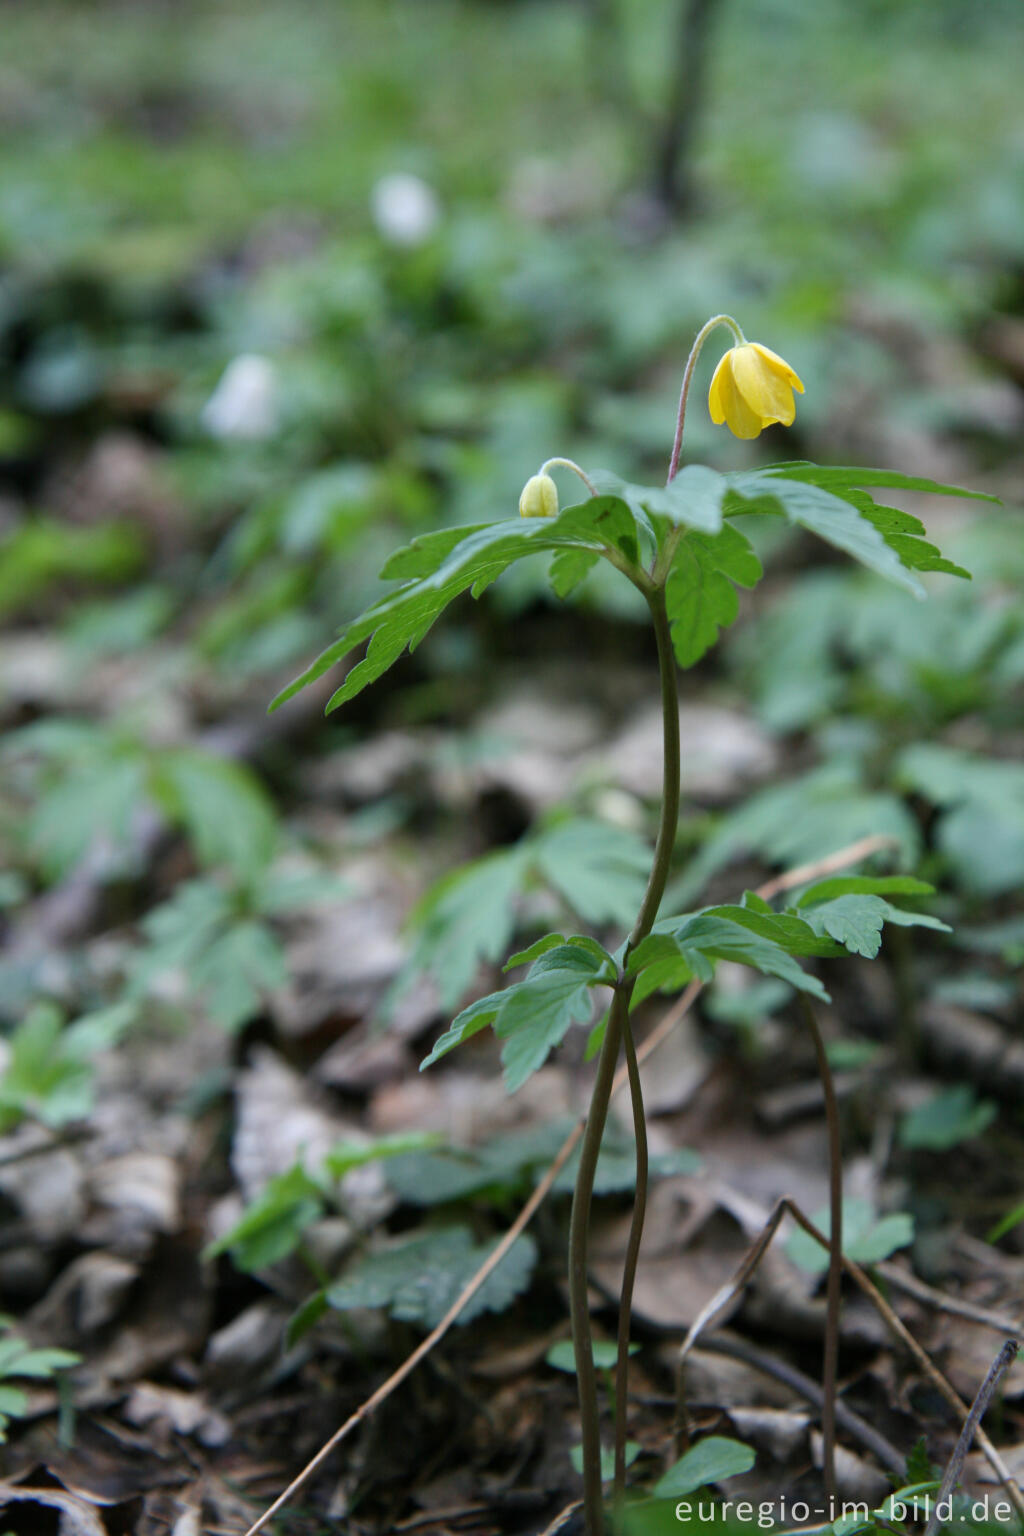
(951, 1117)
(632, 1450)
(700, 594)
(711, 1460)
(465, 919)
(599, 869)
(400, 619)
(694, 498)
(536, 1014)
(569, 567)
(856, 921)
(605, 1351)
(346, 1155)
(842, 477)
(272, 1226)
(224, 807)
(464, 1026)
(831, 517)
(703, 938)
(419, 1278)
(867, 1238)
(42, 1077)
(863, 885)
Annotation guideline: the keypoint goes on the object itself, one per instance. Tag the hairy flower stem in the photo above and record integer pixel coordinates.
(691, 363)
(835, 1255)
(617, 1026)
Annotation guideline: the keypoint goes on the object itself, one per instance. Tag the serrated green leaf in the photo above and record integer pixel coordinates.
(418, 1279)
(832, 517)
(840, 477)
(599, 869)
(467, 1024)
(569, 567)
(400, 619)
(703, 938)
(467, 918)
(699, 592)
(863, 885)
(226, 811)
(711, 1460)
(856, 921)
(536, 1014)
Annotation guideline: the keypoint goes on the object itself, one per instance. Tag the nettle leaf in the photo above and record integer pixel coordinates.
(419, 1278)
(700, 594)
(867, 1238)
(704, 938)
(443, 567)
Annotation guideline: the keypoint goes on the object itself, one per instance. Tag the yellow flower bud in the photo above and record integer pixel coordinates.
(539, 497)
(752, 388)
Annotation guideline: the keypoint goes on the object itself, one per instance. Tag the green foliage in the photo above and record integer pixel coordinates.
(532, 1016)
(470, 915)
(711, 1460)
(48, 1074)
(44, 552)
(954, 1116)
(700, 594)
(19, 1361)
(417, 1279)
(981, 825)
(563, 1357)
(632, 1450)
(867, 1237)
(92, 780)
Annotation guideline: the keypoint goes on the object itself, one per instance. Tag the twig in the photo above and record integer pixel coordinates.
(1000, 1365)
(804, 873)
(830, 1365)
(902, 1280)
(668, 1023)
(788, 1375)
(563, 1516)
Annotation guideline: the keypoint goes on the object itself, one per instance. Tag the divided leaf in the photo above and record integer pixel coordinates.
(419, 1278)
(700, 594)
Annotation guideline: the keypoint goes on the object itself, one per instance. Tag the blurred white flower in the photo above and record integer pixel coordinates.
(244, 404)
(405, 208)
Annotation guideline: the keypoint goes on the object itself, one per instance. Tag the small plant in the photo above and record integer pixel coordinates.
(682, 546)
(20, 1362)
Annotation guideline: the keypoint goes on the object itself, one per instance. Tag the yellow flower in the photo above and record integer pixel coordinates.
(752, 388)
(539, 497)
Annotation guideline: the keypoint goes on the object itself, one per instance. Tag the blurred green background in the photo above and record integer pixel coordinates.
(283, 284)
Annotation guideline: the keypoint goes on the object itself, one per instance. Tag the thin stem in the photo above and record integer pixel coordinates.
(570, 464)
(618, 1023)
(691, 363)
(636, 1230)
(579, 1241)
(835, 1256)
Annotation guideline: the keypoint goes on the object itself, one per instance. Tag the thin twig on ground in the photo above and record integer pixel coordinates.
(1000, 1365)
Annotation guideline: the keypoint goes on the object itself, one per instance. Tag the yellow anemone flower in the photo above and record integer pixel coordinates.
(752, 388)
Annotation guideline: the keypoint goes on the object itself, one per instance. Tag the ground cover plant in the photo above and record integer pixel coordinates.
(278, 298)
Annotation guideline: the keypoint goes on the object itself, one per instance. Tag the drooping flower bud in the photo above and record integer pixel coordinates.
(752, 388)
(539, 497)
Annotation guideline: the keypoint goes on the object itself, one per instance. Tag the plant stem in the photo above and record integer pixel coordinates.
(636, 1230)
(579, 1242)
(835, 1256)
(691, 363)
(618, 1025)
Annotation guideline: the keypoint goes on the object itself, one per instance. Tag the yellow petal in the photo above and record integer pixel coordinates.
(775, 361)
(765, 387)
(727, 404)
